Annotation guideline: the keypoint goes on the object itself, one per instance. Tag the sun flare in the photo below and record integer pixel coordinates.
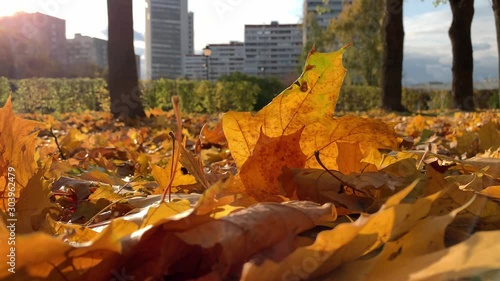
(9, 7)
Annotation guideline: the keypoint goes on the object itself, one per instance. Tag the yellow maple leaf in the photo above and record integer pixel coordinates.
(306, 101)
(306, 107)
(162, 176)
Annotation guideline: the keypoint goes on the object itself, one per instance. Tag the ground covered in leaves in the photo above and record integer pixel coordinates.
(287, 193)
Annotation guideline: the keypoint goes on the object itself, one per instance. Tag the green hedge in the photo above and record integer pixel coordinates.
(200, 96)
(363, 98)
(5, 90)
(423, 99)
(46, 95)
(358, 98)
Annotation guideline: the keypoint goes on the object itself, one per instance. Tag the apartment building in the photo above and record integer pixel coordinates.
(167, 38)
(273, 49)
(226, 59)
(195, 67)
(190, 50)
(35, 34)
(86, 50)
(323, 11)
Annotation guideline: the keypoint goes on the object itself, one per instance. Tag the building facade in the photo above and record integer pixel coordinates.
(86, 50)
(322, 12)
(226, 59)
(167, 38)
(190, 50)
(195, 67)
(35, 35)
(273, 49)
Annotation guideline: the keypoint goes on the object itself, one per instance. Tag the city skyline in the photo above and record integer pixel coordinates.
(427, 46)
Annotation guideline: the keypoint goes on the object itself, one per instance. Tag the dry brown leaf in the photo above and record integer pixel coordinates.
(175, 248)
(346, 242)
(324, 135)
(162, 176)
(489, 137)
(102, 177)
(213, 137)
(71, 141)
(427, 236)
(33, 203)
(321, 187)
(53, 259)
(492, 192)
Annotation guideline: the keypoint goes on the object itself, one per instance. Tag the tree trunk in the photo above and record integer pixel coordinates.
(496, 13)
(461, 44)
(123, 82)
(392, 66)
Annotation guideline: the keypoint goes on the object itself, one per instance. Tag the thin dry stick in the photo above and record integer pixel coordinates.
(131, 180)
(342, 182)
(173, 168)
(106, 208)
(197, 150)
(175, 152)
(57, 143)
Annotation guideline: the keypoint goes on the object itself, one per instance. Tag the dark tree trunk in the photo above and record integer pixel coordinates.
(496, 13)
(392, 66)
(123, 82)
(461, 44)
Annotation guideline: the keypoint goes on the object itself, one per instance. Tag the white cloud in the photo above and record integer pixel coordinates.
(438, 71)
(426, 36)
(219, 21)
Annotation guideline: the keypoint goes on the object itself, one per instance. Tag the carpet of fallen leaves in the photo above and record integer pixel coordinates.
(287, 193)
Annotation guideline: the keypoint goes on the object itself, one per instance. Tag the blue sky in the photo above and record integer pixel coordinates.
(427, 46)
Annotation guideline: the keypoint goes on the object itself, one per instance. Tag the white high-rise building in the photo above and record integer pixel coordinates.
(323, 11)
(190, 33)
(195, 67)
(226, 59)
(273, 49)
(167, 38)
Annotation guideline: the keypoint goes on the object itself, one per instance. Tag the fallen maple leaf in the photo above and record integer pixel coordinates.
(17, 153)
(353, 193)
(426, 237)
(489, 137)
(312, 97)
(296, 124)
(261, 170)
(491, 192)
(346, 242)
(162, 176)
(231, 240)
(34, 203)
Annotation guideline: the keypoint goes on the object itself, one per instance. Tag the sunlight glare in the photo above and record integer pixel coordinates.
(9, 8)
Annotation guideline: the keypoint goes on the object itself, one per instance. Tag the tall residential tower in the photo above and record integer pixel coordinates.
(324, 12)
(273, 49)
(167, 38)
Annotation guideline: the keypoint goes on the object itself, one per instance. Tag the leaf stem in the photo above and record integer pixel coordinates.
(57, 143)
(106, 208)
(342, 182)
(175, 151)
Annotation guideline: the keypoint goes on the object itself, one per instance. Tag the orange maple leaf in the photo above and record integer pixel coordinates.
(260, 172)
(17, 153)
